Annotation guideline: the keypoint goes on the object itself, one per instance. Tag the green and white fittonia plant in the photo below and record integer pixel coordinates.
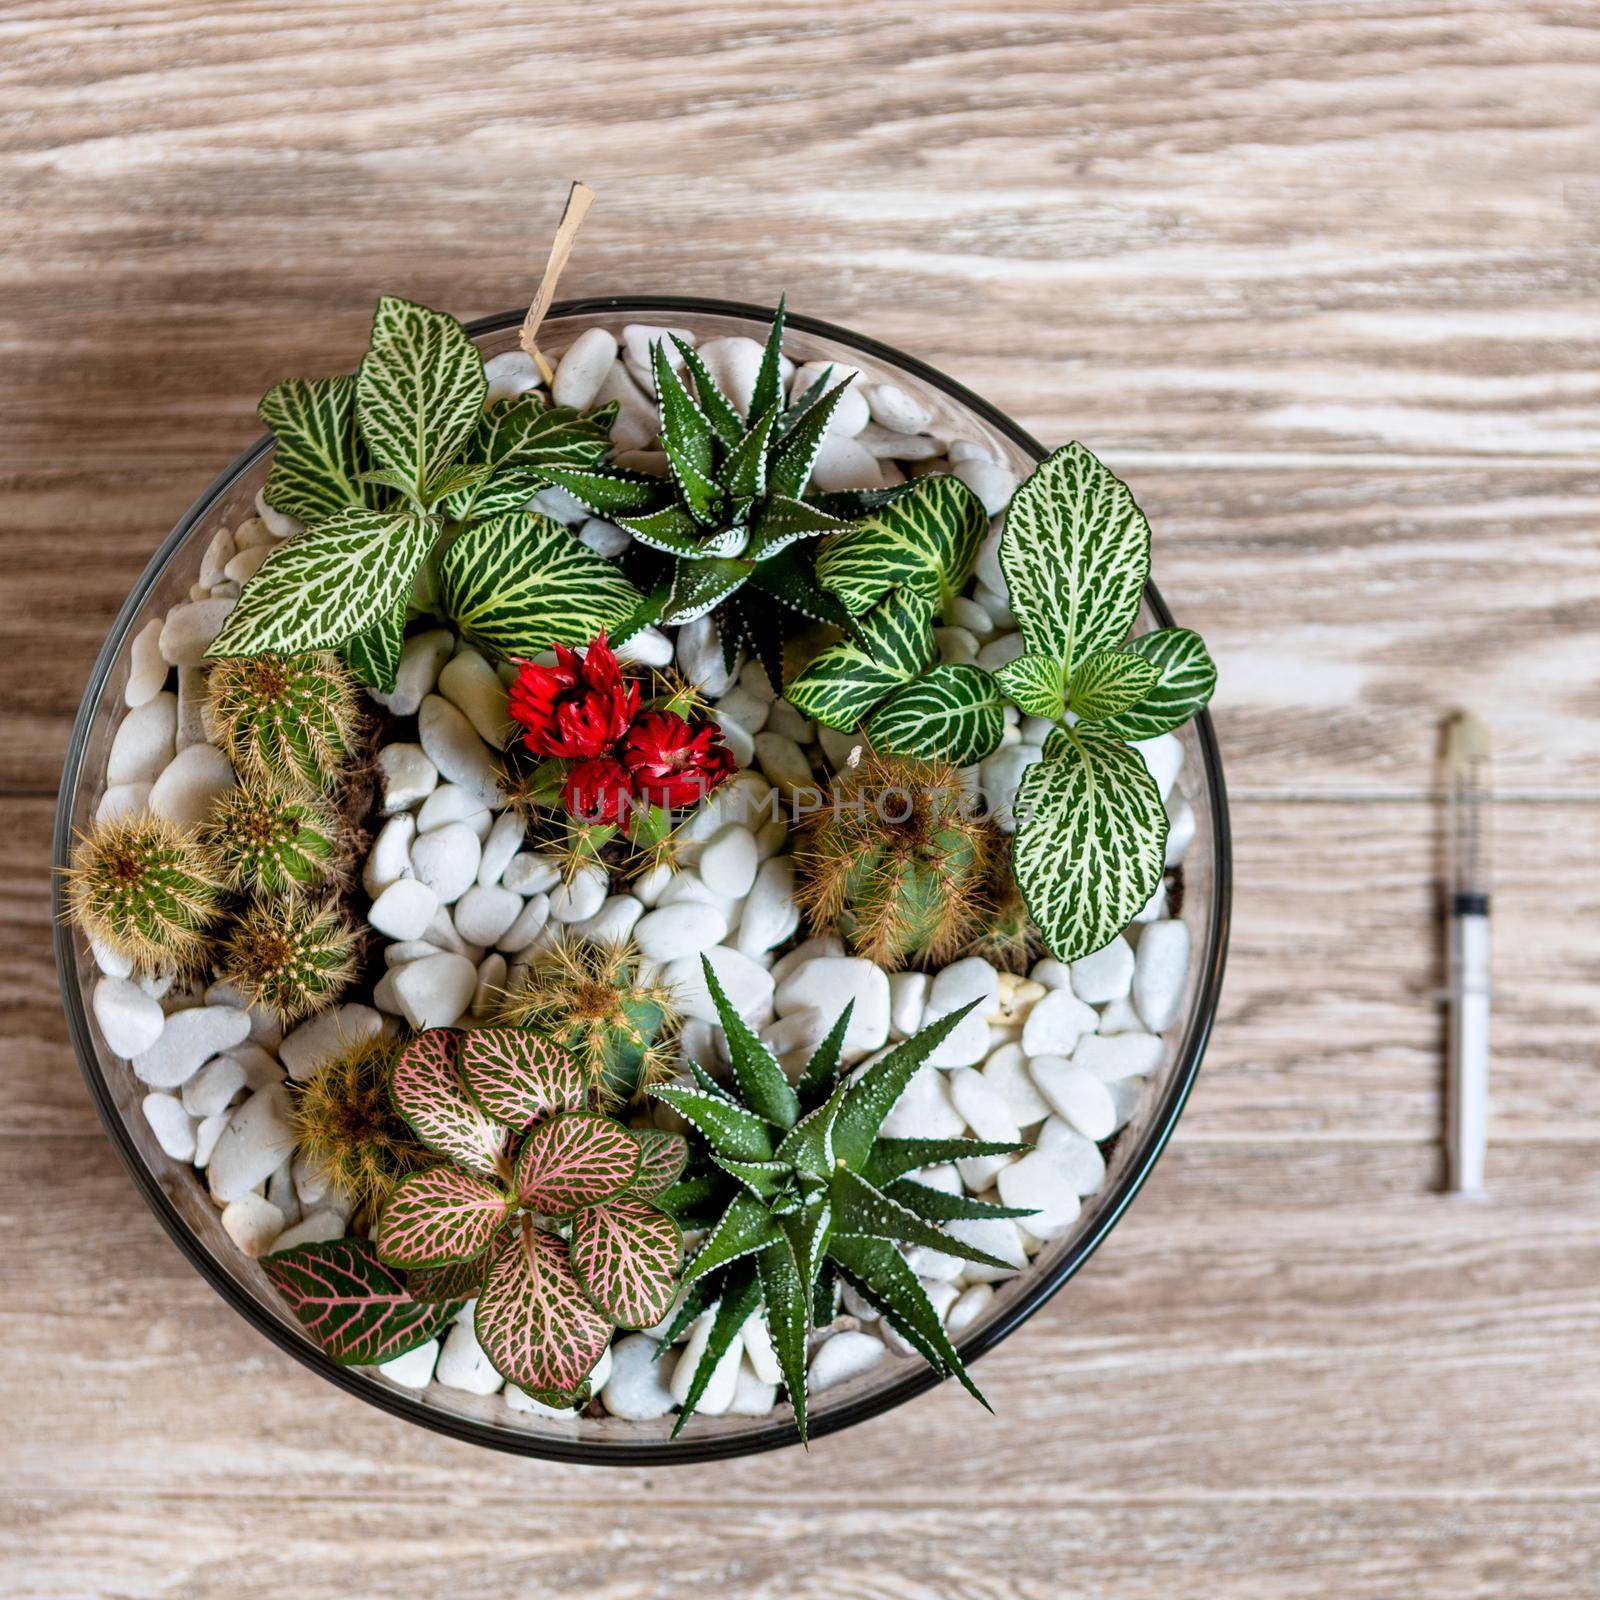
(724, 533)
(539, 1208)
(1091, 828)
(413, 493)
(819, 1196)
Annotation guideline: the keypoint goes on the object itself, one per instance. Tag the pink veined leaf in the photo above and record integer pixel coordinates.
(356, 1308)
(662, 1157)
(518, 1077)
(439, 1216)
(574, 1160)
(427, 1091)
(533, 1321)
(627, 1255)
(455, 1281)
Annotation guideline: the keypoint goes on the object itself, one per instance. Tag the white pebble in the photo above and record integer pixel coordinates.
(649, 647)
(404, 909)
(1001, 775)
(473, 687)
(719, 1392)
(436, 991)
(850, 412)
(446, 860)
(190, 629)
(389, 859)
(752, 1397)
(908, 995)
(998, 652)
(583, 368)
(893, 408)
(147, 667)
(700, 659)
(1007, 1073)
(1038, 1184)
(252, 1223)
(413, 1370)
(1056, 1023)
(728, 863)
(998, 1236)
(256, 1142)
(636, 1389)
(993, 484)
(747, 985)
(421, 658)
(1078, 1157)
(924, 1110)
(843, 463)
(529, 873)
(213, 1087)
(130, 1020)
(782, 762)
(144, 742)
(613, 923)
(845, 1356)
(578, 900)
(733, 363)
(1105, 974)
(770, 913)
(1080, 1097)
(985, 1111)
(1122, 1055)
(1160, 972)
(827, 983)
(279, 524)
(682, 929)
(323, 1036)
(509, 374)
(187, 1041)
(190, 785)
(463, 1365)
(122, 800)
(1163, 755)
(206, 1135)
(453, 745)
(531, 922)
(969, 1306)
(483, 915)
(608, 540)
(406, 776)
(451, 803)
(171, 1124)
(1180, 829)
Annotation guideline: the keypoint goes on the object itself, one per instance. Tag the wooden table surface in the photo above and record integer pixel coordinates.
(1323, 280)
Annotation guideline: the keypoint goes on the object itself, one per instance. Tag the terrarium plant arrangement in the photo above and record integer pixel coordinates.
(647, 883)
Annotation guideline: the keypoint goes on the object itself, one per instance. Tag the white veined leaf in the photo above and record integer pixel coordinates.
(1091, 840)
(518, 583)
(1186, 677)
(1076, 554)
(924, 541)
(951, 713)
(328, 584)
(419, 390)
(374, 655)
(515, 439)
(319, 457)
(1110, 681)
(844, 682)
(1036, 683)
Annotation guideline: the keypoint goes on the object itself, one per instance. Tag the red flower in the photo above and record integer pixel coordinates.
(579, 707)
(672, 764)
(597, 791)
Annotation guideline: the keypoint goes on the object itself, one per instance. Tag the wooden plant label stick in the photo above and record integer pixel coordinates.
(579, 198)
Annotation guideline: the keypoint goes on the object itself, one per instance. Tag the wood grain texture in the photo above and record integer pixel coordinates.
(1322, 280)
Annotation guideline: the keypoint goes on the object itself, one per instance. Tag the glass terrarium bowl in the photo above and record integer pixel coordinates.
(176, 1192)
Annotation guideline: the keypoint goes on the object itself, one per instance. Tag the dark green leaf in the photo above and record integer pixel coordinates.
(843, 684)
(741, 1300)
(952, 713)
(374, 655)
(893, 1158)
(730, 1130)
(725, 421)
(744, 473)
(765, 1089)
(319, 455)
(788, 1303)
(1037, 684)
(1186, 677)
(700, 586)
(936, 1205)
(745, 1227)
(768, 392)
(859, 1209)
(796, 454)
(609, 491)
(823, 1067)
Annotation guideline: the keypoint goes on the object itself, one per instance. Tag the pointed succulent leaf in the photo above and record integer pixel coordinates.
(826, 1297)
(862, 1210)
(1108, 682)
(438, 1216)
(626, 1255)
(817, 1081)
(693, 1301)
(764, 1179)
(872, 1096)
(718, 410)
(762, 1084)
(662, 1157)
(788, 1309)
(844, 682)
(419, 390)
(788, 578)
(514, 440)
(328, 584)
(809, 1231)
(782, 522)
(607, 491)
(937, 1205)
(884, 1280)
(809, 1145)
(427, 1091)
(707, 1083)
(741, 1300)
(687, 437)
(893, 1158)
(1091, 840)
(701, 586)
(374, 654)
(533, 1320)
(924, 542)
(1185, 677)
(767, 395)
(671, 529)
(729, 1129)
(574, 1160)
(319, 458)
(758, 624)
(794, 454)
(518, 1077)
(1037, 683)
(745, 1227)
(744, 473)
(453, 1283)
(797, 408)
(519, 582)
(1076, 554)
(357, 1309)
(953, 713)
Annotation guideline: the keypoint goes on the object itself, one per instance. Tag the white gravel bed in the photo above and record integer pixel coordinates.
(1061, 1057)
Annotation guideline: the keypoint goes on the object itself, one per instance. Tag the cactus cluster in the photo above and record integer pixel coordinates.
(292, 718)
(290, 957)
(594, 1002)
(272, 841)
(147, 890)
(347, 1129)
(895, 862)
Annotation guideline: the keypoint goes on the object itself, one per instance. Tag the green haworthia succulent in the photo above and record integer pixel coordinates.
(392, 470)
(535, 1205)
(727, 525)
(820, 1194)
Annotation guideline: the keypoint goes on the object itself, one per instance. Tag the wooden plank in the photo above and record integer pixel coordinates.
(1348, 613)
(1329, 1025)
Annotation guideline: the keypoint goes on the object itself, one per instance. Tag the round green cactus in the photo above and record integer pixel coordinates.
(289, 718)
(895, 864)
(593, 1001)
(147, 890)
(291, 957)
(272, 841)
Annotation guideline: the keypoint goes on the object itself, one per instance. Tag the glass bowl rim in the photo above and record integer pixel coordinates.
(917, 1379)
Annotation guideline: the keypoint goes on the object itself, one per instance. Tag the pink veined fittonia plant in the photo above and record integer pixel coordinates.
(540, 1208)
